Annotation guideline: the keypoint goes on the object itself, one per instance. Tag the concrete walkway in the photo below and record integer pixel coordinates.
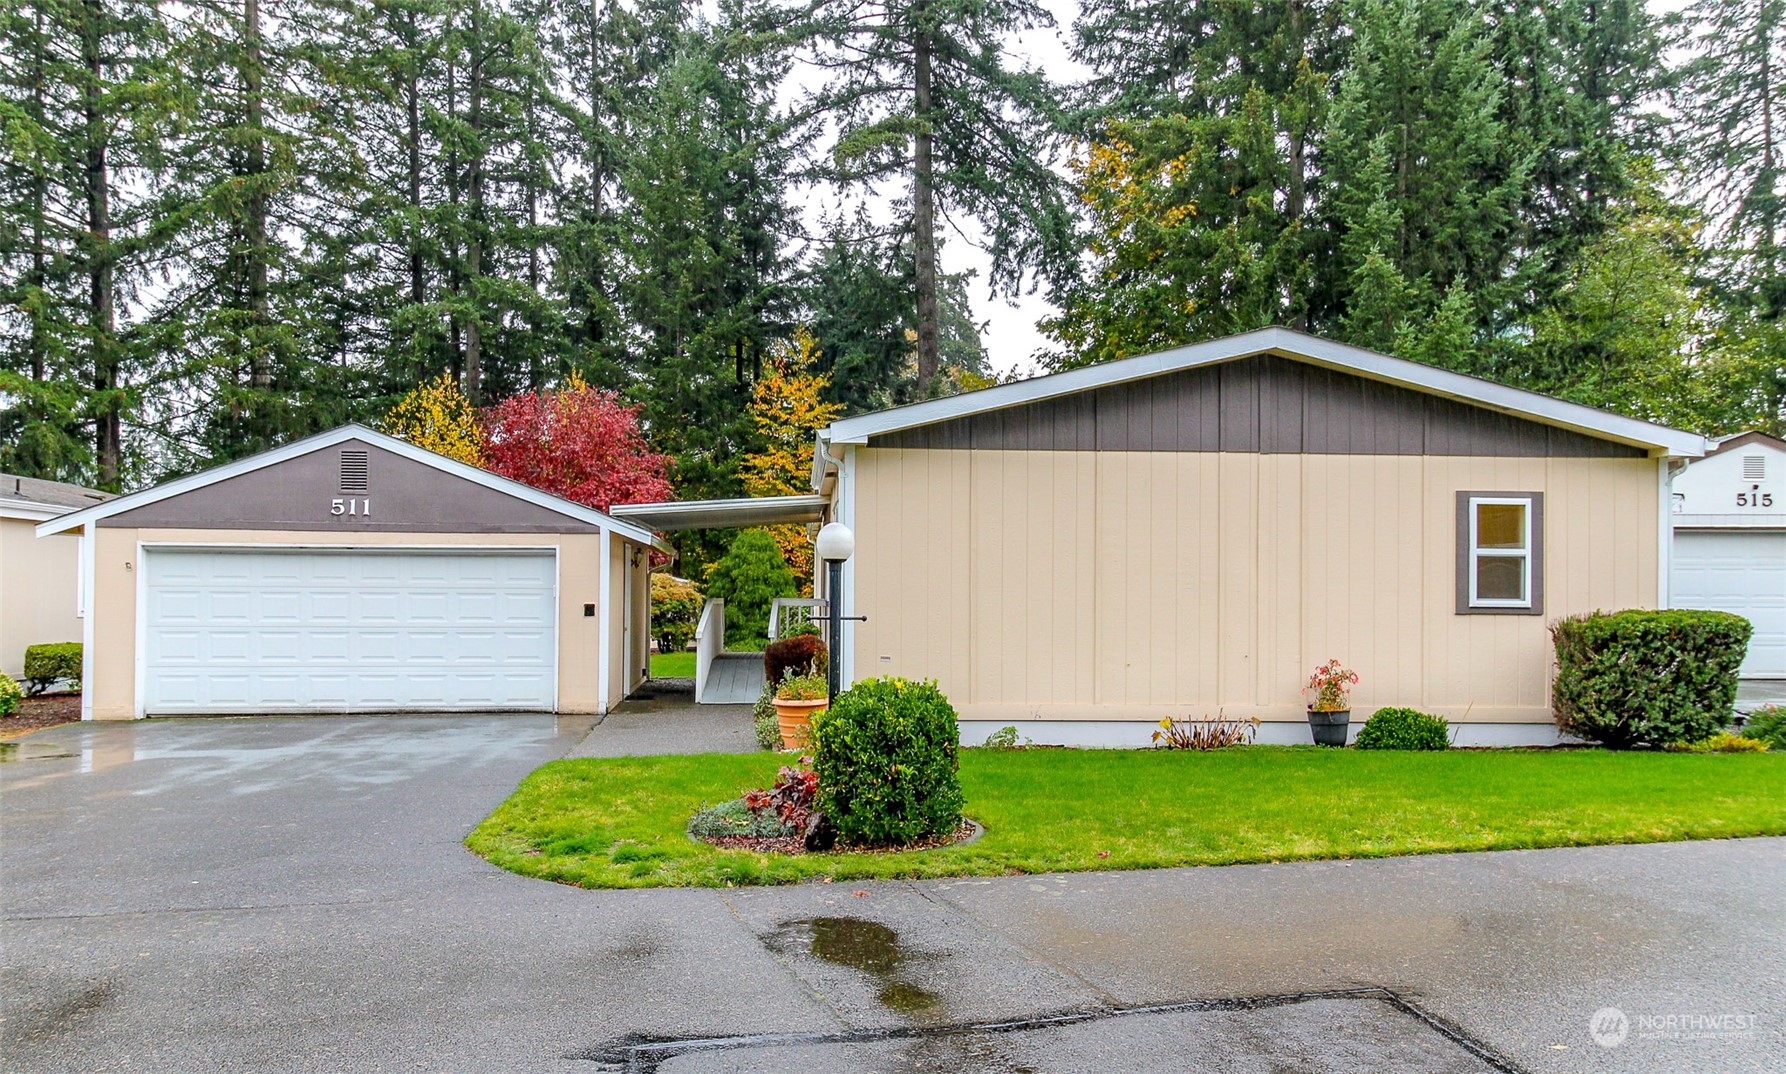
(292, 895)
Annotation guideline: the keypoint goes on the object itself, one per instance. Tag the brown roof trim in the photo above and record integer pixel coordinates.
(1744, 439)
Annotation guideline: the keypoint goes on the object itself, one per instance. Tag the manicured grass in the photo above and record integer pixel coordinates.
(673, 665)
(620, 822)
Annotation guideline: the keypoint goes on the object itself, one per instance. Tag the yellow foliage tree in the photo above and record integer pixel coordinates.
(437, 416)
(788, 407)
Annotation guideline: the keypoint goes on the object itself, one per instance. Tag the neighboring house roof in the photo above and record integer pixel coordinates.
(568, 508)
(1287, 343)
(724, 514)
(35, 499)
(1744, 439)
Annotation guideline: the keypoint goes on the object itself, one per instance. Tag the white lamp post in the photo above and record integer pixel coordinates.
(835, 544)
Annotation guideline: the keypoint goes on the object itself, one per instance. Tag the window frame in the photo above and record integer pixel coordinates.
(1468, 602)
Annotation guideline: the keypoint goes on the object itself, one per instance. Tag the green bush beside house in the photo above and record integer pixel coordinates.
(887, 756)
(1647, 678)
(48, 664)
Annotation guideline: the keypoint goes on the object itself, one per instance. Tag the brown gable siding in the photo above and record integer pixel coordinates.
(406, 497)
(1264, 404)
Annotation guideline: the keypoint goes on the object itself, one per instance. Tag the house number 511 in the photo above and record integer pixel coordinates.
(339, 506)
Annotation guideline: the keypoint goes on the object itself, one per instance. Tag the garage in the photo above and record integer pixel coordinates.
(344, 630)
(354, 573)
(1730, 550)
(1741, 571)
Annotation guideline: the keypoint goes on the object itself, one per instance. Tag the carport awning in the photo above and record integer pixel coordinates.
(723, 514)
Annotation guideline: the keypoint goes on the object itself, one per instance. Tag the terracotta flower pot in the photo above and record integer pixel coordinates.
(795, 720)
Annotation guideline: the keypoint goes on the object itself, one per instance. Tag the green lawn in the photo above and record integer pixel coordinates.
(620, 822)
(673, 665)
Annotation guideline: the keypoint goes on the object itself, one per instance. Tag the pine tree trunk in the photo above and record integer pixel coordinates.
(924, 209)
(412, 101)
(260, 376)
(108, 420)
(474, 206)
(1296, 194)
(39, 344)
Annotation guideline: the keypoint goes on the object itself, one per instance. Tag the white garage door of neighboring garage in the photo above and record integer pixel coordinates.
(312, 630)
(1741, 571)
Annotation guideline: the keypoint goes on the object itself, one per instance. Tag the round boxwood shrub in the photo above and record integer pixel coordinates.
(1404, 729)
(886, 753)
(1653, 678)
(9, 694)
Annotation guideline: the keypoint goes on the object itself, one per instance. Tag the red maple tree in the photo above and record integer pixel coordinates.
(578, 442)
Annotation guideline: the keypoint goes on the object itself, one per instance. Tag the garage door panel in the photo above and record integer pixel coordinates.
(360, 631)
(1740, 571)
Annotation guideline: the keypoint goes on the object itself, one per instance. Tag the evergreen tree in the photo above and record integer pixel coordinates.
(920, 92)
(1731, 95)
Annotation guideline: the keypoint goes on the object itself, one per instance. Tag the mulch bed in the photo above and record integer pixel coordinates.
(793, 844)
(37, 713)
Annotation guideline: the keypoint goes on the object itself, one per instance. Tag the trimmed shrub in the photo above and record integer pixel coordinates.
(802, 654)
(1404, 729)
(675, 612)
(46, 665)
(1647, 677)
(10, 694)
(886, 753)
(1767, 724)
(748, 578)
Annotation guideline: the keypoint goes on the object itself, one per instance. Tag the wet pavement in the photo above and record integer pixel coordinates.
(291, 894)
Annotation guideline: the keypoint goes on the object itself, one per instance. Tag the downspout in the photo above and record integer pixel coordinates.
(1671, 466)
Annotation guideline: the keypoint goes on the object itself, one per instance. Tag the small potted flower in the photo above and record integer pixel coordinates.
(1330, 713)
(797, 698)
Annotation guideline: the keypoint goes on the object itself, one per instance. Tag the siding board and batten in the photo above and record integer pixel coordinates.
(1266, 404)
(1193, 543)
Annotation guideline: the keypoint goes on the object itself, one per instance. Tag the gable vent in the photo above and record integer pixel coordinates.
(1754, 467)
(354, 468)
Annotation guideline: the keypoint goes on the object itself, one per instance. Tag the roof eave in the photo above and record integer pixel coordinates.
(1655, 439)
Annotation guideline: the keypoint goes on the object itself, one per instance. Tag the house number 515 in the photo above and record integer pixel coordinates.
(339, 506)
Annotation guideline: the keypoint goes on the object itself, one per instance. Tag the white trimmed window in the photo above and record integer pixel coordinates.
(1500, 553)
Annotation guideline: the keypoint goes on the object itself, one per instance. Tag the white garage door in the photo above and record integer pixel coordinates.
(1741, 571)
(348, 631)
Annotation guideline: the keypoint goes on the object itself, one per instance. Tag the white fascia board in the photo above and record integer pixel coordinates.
(30, 511)
(1544, 409)
(297, 448)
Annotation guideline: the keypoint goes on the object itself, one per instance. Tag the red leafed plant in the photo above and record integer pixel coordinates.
(578, 442)
(1331, 682)
(791, 798)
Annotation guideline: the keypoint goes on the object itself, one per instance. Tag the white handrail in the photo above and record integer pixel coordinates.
(780, 606)
(710, 641)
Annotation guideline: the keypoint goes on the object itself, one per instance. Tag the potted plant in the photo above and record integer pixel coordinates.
(1330, 713)
(797, 698)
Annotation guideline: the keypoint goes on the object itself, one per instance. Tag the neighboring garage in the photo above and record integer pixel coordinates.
(1730, 549)
(352, 572)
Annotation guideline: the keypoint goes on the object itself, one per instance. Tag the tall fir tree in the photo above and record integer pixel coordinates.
(922, 93)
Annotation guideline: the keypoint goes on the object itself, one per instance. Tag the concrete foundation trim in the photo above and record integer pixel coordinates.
(1136, 734)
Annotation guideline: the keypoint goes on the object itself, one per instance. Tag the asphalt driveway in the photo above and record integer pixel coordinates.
(291, 894)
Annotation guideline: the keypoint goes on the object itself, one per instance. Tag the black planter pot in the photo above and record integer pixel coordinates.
(1329, 728)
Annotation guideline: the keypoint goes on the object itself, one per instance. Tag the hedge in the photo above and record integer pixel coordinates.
(1638, 678)
(1404, 729)
(46, 665)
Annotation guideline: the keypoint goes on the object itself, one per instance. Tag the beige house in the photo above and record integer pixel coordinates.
(353, 572)
(1189, 533)
(40, 593)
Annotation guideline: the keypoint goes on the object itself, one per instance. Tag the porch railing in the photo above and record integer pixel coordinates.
(710, 641)
(786, 612)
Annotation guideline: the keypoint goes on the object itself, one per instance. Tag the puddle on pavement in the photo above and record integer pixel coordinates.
(32, 751)
(867, 946)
